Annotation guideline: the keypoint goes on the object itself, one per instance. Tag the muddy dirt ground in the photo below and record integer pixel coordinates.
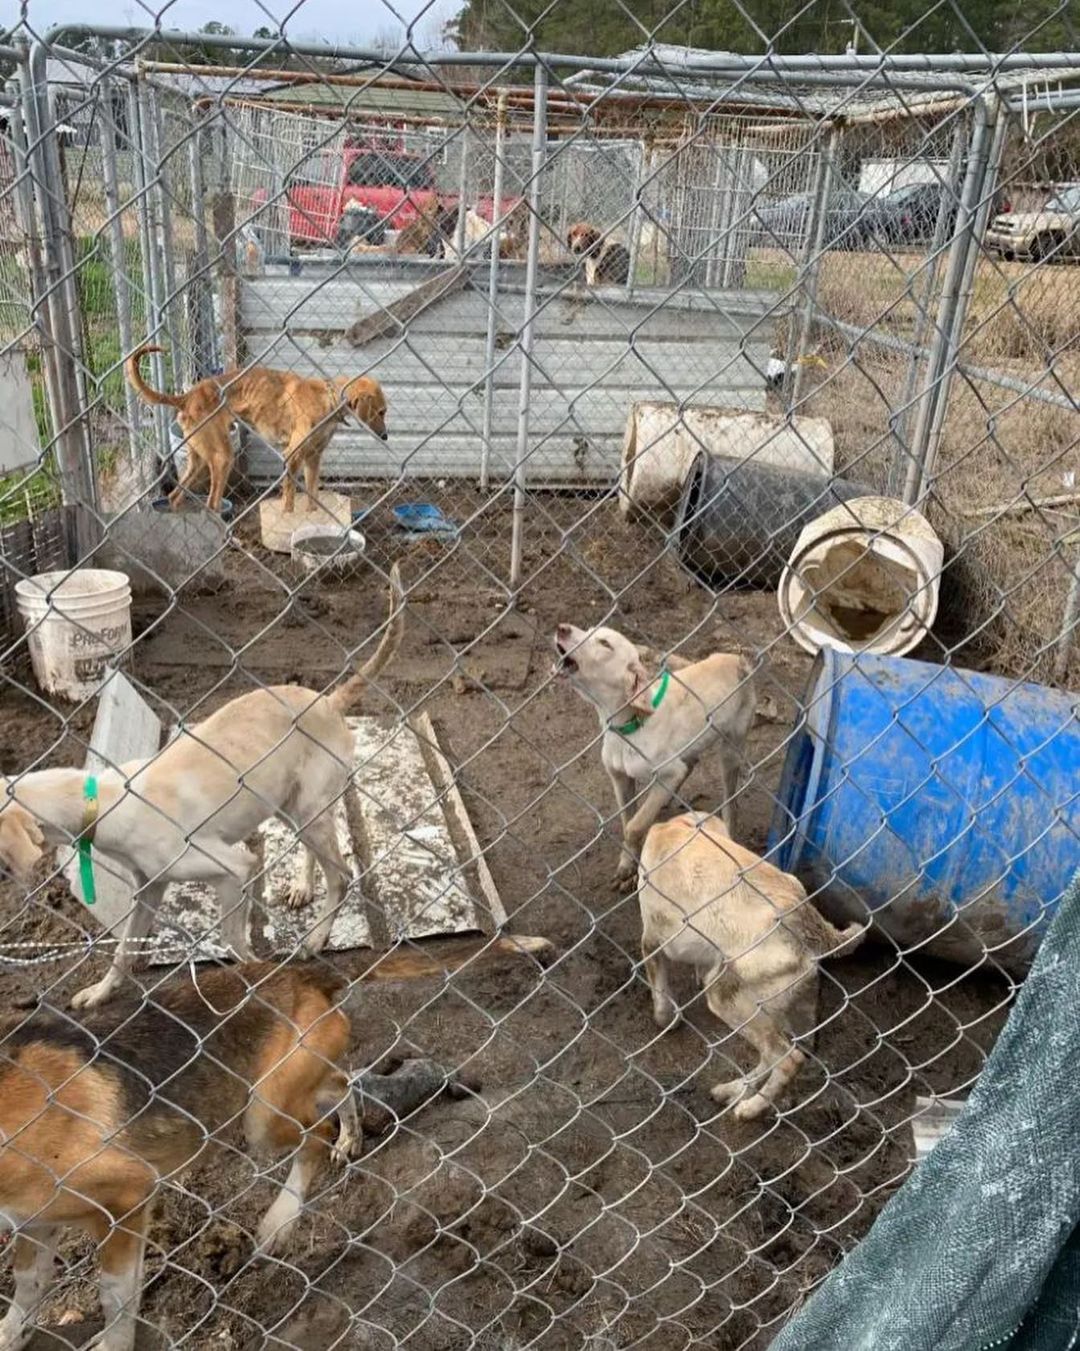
(590, 1196)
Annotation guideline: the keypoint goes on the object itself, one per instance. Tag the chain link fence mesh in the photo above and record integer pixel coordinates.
(682, 354)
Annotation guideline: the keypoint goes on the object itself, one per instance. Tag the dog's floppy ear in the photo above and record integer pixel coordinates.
(21, 840)
(638, 681)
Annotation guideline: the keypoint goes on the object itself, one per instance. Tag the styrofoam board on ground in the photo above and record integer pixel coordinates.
(408, 881)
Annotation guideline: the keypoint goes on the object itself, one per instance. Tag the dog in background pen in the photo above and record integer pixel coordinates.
(298, 414)
(95, 1114)
(607, 261)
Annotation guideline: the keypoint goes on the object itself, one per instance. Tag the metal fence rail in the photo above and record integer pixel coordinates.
(610, 364)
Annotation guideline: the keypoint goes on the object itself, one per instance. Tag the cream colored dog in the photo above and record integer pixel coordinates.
(183, 815)
(750, 932)
(657, 726)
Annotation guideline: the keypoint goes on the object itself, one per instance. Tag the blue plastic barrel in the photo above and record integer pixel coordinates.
(945, 801)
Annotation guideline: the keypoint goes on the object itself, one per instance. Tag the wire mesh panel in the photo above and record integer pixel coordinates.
(538, 610)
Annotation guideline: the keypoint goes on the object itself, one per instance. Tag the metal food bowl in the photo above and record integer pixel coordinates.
(328, 550)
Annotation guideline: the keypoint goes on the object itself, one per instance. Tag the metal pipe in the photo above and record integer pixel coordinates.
(856, 334)
(872, 62)
(902, 426)
(69, 442)
(118, 250)
(809, 266)
(950, 295)
(179, 352)
(1069, 619)
(463, 192)
(493, 293)
(151, 298)
(640, 179)
(203, 322)
(956, 333)
(539, 155)
(39, 300)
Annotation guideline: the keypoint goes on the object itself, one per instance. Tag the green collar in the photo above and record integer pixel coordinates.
(637, 722)
(86, 865)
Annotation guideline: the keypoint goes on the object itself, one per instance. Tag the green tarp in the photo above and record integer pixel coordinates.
(981, 1246)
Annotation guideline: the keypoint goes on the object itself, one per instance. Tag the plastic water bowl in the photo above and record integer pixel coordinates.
(328, 550)
(162, 504)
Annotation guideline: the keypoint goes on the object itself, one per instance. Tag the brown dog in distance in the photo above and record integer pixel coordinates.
(298, 414)
(95, 1114)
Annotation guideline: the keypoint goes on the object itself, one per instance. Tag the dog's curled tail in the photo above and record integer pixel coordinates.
(346, 695)
(830, 941)
(133, 366)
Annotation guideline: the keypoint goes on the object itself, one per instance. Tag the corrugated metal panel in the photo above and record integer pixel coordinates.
(596, 353)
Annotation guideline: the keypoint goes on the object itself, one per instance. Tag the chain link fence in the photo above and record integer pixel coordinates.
(589, 369)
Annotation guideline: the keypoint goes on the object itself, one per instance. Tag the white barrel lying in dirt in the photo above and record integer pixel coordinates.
(78, 623)
(661, 444)
(864, 577)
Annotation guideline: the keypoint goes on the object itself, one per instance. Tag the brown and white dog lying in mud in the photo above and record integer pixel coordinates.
(185, 814)
(752, 935)
(607, 261)
(93, 1115)
(297, 414)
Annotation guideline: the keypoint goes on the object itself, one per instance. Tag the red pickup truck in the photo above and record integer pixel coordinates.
(396, 186)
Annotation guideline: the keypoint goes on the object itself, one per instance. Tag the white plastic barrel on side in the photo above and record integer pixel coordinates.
(864, 577)
(77, 624)
(661, 443)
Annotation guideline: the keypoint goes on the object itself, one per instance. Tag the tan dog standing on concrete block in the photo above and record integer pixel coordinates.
(185, 814)
(297, 414)
(94, 1115)
(750, 932)
(657, 725)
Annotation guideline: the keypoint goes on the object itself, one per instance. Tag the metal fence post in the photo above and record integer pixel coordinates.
(179, 351)
(493, 291)
(902, 424)
(1071, 614)
(956, 334)
(151, 293)
(202, 320)
(28, 225)
(77, 480)
(463, 191)
(539, 154)
(935, 377)
(811, 266)
(118, 251)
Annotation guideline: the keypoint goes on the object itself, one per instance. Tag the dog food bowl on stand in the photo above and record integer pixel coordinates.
(328, 550)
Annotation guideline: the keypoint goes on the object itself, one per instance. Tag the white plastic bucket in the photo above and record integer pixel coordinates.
(864, 577)
(78, 623)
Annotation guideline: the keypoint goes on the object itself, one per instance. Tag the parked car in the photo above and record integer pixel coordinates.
(1053, 232)
(394, 187)
(909, 215)
(783, 224)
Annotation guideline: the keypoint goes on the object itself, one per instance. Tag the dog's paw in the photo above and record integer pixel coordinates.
(751, 1108)
(298, 896)
(93, 996)
(624, 883)
(728, 1091)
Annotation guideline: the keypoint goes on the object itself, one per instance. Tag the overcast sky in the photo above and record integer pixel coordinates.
(322, 20)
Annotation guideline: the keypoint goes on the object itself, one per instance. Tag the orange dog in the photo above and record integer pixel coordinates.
(298, 414)
(93, 1115)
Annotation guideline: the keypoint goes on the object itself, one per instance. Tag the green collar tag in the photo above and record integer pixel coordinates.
(86, 865)
(637, 722)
